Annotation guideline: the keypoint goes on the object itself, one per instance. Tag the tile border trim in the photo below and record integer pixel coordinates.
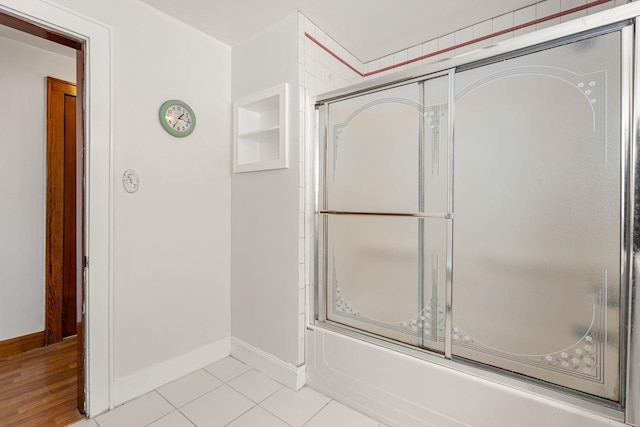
(459, 45)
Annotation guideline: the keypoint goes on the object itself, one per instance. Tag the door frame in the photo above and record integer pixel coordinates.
(95, 96)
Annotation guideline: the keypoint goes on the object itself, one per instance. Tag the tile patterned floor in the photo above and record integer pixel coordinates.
(229, 393)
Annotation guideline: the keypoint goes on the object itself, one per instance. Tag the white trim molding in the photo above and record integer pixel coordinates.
(291, 376)
(148, 379)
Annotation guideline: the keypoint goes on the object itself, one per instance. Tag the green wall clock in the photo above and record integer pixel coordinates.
(177, 118)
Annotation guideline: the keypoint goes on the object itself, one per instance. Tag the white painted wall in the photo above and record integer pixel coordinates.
(23, 85)
(264, 208)
(171, 260)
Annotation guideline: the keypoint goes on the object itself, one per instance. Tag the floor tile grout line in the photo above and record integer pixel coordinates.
(133, 400)
(249, 368)
(195, 398)
(274, 415)
(254, 405)
(205, 370)
(187, 418)
(271, 394)
(163, 398)
(177, 409)
(231, 379)
(167, 400)
(317, 412)
(166, 415)
(280, 386)
(248, 397)
(243, 374)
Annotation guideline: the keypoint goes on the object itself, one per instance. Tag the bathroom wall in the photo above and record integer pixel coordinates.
(23, 84)
(265, 205)
(170, 303)
(193, 228)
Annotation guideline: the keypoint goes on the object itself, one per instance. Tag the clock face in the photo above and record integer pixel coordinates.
(177, 118)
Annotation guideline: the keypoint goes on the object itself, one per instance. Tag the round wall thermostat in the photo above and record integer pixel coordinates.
(130, 181)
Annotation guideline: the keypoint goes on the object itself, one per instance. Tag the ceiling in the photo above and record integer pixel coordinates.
(369, 29)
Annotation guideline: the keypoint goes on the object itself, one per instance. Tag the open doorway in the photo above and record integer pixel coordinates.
(61, 262)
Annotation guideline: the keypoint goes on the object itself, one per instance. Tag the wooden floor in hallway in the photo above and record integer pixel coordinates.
(38, 387)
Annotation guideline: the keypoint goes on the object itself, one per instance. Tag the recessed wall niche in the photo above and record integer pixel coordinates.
(260, 131)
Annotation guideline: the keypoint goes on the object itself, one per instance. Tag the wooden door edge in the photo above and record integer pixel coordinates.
(56, 89)
(81, 249)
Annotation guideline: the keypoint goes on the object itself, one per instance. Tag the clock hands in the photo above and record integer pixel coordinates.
(181, 118)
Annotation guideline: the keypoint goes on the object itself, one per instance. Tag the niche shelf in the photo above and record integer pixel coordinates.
(260, 131)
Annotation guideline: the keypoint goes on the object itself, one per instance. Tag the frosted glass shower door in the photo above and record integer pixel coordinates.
(384, 213)
(537, 228)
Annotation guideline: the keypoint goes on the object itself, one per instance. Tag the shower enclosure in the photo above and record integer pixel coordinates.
(480, 213)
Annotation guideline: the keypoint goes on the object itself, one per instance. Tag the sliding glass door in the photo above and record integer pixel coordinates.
(537, 232)
(385, 212)
(478, 214)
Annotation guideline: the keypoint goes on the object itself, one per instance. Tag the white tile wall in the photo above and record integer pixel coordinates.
(427, 48)
(480, 30)
(314, 74)
(547, 8)
(600, 8)
(445, 42)
(522, 16)
(372, 65)
(399, 58)
(570, 4)
(462, 36)
(323, 73)
(500, 23)
(414, 52)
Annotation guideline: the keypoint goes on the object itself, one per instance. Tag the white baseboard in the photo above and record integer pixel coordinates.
(148, 379)
(291, 376)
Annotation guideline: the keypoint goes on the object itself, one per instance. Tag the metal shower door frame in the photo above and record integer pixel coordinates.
(627, 16)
